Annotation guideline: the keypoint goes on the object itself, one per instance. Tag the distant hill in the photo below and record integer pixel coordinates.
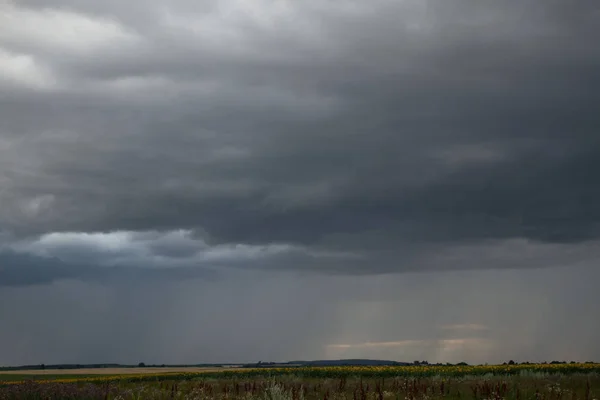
(328, 363)
(366, 362)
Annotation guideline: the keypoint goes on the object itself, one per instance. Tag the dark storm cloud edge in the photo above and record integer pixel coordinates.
(22, 269)
(328, 179)
(26, 270)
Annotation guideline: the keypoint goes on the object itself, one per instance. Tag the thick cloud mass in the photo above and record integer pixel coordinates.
(173, 146)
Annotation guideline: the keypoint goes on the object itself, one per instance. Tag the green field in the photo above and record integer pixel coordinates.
(533, 382)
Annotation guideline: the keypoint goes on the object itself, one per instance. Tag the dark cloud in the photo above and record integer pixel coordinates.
(26, 270)
(366, 132)
(17, 270)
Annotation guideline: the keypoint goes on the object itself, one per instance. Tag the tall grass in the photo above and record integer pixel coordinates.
(516, 387)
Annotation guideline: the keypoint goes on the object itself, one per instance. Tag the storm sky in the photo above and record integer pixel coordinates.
(245, 180)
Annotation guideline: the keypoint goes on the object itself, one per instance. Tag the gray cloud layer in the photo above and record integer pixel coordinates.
(149, 143)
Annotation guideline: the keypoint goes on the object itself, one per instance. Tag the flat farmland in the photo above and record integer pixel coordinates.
(115, 371)
(530, 382)
(104, 373)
